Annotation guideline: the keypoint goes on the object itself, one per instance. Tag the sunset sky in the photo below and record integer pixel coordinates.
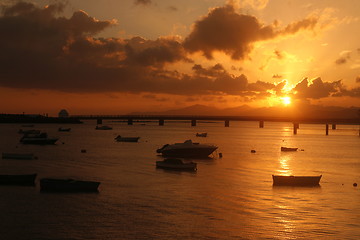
(116, 57)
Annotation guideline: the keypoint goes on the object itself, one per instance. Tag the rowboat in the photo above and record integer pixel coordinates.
(288, 149)
(18, 156)
(127, 139)
(279, 180)
(22, 179)
(67, 185)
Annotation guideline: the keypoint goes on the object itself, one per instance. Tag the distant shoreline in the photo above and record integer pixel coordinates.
(24, 118)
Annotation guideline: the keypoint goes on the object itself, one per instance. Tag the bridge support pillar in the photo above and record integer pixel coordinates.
(327, 129)
(296, 127)
(130, 121)
(261, 124)
(227, 123)
(193, 122)
(333, 126)
(161, 122)
(99, 121)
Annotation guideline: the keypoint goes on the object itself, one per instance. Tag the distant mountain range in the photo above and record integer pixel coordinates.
(305, 111)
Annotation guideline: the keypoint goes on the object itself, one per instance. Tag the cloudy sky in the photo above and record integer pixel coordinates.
(115, 57)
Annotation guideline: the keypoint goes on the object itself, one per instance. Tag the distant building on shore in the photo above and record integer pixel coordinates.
(63, 113)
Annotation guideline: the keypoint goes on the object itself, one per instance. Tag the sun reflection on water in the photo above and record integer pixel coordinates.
(284, 160)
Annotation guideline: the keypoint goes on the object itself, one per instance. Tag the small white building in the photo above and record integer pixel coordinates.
(63, 113)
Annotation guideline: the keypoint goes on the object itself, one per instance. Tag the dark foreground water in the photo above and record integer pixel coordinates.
(227, 198)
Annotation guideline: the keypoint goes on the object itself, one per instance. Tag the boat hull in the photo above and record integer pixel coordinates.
(296, 180)
(67, 185)
(178, 167)
(286, 149)
(127, 139)
(188, 152)
(24, 179)
(21, 156)
(39, 141)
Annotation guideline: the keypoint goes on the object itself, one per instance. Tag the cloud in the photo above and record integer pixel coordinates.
(357, 79)
(225, 30)
(277, 76)
(316, 89)
(40, 49)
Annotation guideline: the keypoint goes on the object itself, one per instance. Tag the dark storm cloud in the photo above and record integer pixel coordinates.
(317, 89)
(40, 49)
(223, 29)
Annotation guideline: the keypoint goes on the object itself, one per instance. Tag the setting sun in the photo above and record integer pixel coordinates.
(286, 100)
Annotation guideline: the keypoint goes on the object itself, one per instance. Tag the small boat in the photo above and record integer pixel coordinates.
(287, 149)
(201, 134)
(18, 156)
(24, 179)
(30, 131)
(60, 129)
(176, 164)
(67, 185)
(127, 139)
(103, 128)
(296, 180)
(27, 125)
(38, 139)
(187, 149)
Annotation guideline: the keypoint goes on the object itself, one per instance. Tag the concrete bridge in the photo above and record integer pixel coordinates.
(194, 118)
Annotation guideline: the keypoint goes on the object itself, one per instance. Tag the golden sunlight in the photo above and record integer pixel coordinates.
(286, 100)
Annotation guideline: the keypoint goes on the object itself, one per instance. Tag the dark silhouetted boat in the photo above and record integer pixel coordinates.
(187, 149)
(127, 139)
(201, 134)
(296, 180)
(176, 164)
(60, 129)
(30, 131)
(67, 185)
(288, 149)
(103, 128)
(23, 179)
(18, 156)
(39, 139)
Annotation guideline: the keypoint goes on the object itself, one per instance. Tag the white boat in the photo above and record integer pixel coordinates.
(187, 149)
(38, 139)
(18, 156)
(103, 128)
(127, 139)
(201, 134)
(287, 149)
(176, 164)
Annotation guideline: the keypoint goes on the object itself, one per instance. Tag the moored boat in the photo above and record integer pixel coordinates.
(30, 131)
(288, 149)
(201, 134)
(187, 149)
(18, 156)
(20, 179)
(60, 129)
(279, 180)
(127, 139)
(176, 164)
(39, 139)
(67, 185)
(103, 128)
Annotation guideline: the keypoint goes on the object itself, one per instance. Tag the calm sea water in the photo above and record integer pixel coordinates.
(227, 198)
